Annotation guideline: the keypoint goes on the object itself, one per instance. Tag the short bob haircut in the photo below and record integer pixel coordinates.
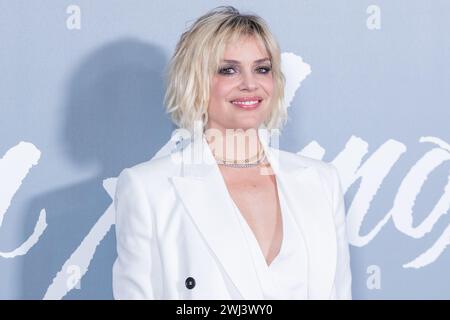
(197, 57)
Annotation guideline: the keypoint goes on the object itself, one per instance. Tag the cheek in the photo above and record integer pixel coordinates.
(220, 90)
(269, 85)
(269, 88)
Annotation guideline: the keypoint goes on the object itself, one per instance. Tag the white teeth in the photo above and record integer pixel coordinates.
(245, 102)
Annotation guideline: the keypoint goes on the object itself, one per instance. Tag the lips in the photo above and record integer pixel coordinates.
(247, 103)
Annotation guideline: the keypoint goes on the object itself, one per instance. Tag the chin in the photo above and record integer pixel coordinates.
(247, 125)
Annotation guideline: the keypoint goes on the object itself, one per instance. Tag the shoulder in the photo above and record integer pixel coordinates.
(163, 166)
(297, 160)
(326, 172)
(153, 172)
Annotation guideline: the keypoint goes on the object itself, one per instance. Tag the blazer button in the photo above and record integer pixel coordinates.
(190, 283)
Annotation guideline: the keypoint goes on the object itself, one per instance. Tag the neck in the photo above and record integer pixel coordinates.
(235, 145)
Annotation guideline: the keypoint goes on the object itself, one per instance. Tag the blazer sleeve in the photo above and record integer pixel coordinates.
(343, 278)
(134, 232)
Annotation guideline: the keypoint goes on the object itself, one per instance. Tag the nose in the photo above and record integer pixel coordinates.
(248, 81)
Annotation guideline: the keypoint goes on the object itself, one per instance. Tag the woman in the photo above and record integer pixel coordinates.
(226, 215)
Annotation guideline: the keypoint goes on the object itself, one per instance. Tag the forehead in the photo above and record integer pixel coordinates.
(245, 48)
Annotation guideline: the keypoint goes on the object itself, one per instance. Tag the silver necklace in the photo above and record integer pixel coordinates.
(242, 165)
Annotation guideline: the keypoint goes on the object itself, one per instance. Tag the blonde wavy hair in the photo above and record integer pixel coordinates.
(197, 57)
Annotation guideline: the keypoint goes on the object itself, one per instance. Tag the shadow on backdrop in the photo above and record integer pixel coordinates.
(114, 119)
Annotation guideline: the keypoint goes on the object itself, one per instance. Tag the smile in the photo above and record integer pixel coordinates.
(247, 105)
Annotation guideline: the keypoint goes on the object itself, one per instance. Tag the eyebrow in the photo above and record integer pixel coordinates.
(237, 62)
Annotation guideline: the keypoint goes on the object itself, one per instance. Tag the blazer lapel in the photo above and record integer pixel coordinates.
(312, 210)
(203, 191)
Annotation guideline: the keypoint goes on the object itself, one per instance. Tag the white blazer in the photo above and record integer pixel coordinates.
(178, 237)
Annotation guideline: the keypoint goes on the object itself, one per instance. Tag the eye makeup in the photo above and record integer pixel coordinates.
(232, 69)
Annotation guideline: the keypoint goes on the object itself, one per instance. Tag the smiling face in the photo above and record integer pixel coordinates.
(241, 90)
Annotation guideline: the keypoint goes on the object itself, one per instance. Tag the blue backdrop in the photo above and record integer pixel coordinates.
(81, 93)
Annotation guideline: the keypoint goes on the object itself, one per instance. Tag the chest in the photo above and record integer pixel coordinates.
(257, 198)
(252, 191)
